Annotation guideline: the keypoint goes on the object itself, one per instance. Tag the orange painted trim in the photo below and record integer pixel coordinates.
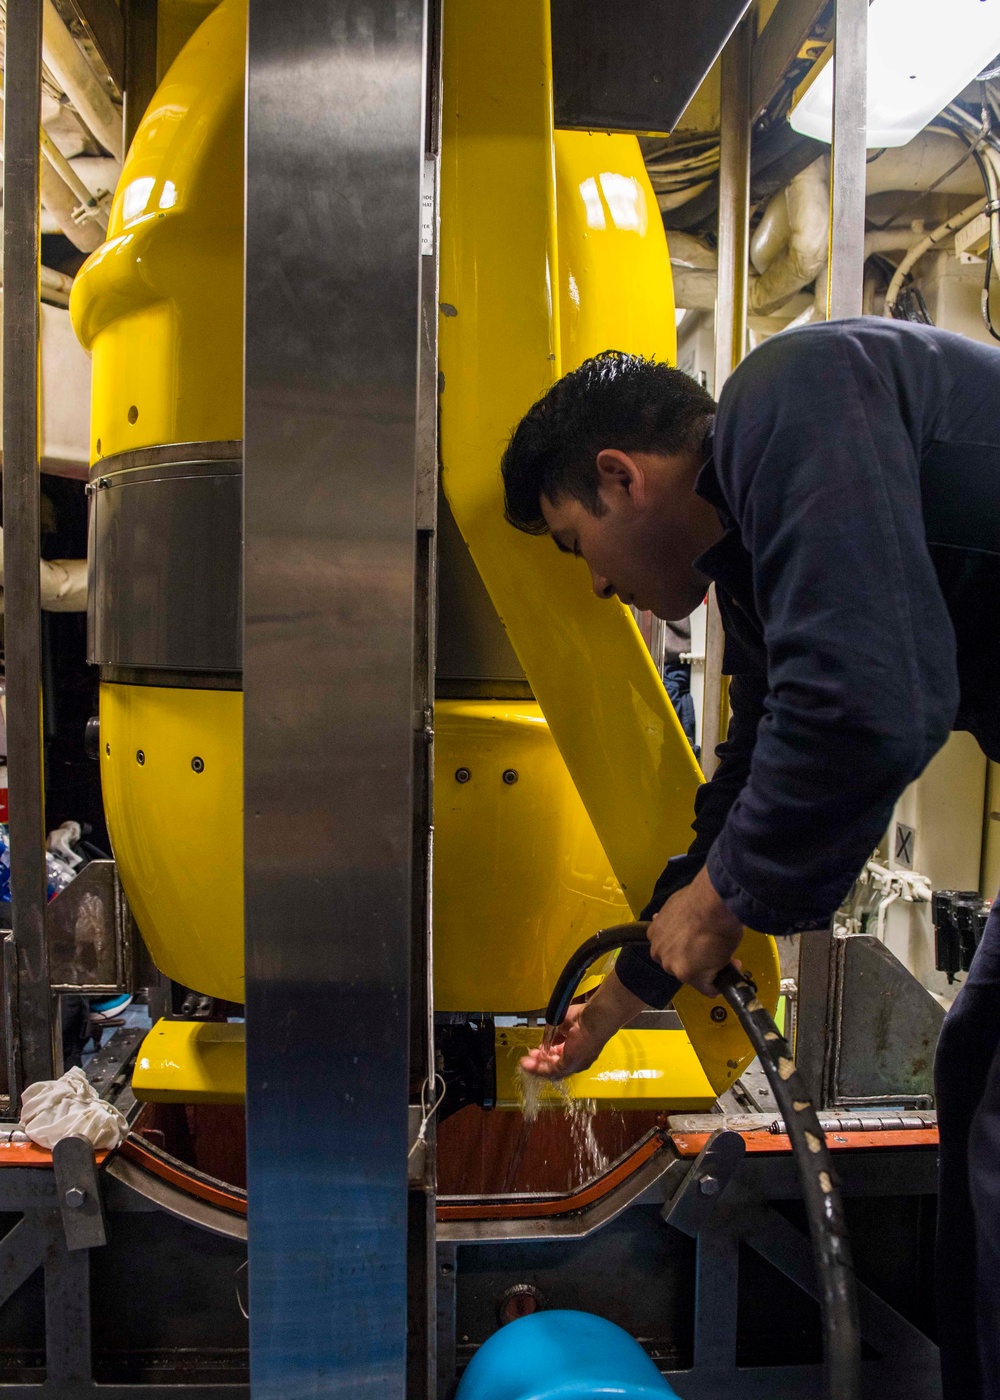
(559, 1205)
(29, 1154)
(135, 1152)
(690, 1144)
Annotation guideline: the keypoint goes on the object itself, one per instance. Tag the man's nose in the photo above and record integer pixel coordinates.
(602, 586)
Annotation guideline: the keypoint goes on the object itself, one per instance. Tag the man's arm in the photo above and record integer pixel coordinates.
(818, 443)
(637, 970)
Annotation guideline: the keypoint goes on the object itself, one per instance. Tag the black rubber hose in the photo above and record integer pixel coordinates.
(820, 1191)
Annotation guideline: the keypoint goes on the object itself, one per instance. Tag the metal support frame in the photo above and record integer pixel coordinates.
(730, 311)
(736, 1211)
(29, 1004)
(335, 102)
(728, 1202)
(779, 43)
(847, 163)
(38, 1241)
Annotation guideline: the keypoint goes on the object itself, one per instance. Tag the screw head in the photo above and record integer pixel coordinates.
(198, 764)
(140, 757)
(709, 1186)
(718, 1013)
(75, 1197)
(462, 775)
(510, 776)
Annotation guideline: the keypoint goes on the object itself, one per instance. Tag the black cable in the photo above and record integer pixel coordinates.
(820, 1190)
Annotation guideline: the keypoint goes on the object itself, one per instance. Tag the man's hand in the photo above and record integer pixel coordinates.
(694, 935)
(586, 1030)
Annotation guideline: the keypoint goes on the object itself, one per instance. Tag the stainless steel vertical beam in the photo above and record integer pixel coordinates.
(335, 111)
(814, 1022)
(730, 306)
(848, 156)
(734, 201)
(30, 1001)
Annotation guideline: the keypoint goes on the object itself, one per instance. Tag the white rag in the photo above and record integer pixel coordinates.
(54, 1109)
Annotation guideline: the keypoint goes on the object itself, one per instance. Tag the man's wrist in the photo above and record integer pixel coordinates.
(611, 1007)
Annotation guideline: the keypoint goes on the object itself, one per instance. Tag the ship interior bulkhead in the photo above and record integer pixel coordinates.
(333, 771)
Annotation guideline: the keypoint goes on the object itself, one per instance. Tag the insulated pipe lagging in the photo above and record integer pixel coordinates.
(79, 82)
(831, 1244)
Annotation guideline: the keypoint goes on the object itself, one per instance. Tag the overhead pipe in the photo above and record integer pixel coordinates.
(91, 207)
(66, 63)
(806, 206)
(933, 240)
(63, 583)
(60, 199)
(62, 203)
(789, 245)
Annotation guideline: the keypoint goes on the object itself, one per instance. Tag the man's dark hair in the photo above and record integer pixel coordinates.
(612, 400)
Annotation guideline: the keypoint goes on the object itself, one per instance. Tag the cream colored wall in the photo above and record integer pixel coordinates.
(945, 808)
(990, 878)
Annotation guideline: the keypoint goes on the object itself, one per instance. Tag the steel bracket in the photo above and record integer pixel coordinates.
(79, 1193)
(692, 1206)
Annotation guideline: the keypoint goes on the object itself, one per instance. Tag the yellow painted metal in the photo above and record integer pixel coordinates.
(160, 308)
(176, 21)
(503, 278)
(192, 1062)
(614, 267)
(160, 304)
(178, 834)
(520, 879)
(636, 1069)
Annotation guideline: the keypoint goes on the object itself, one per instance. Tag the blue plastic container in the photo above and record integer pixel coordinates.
(562, 1356)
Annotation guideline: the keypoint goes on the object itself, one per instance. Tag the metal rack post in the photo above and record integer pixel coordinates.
(28, 1004)
(335, 103)
(730, 309)
(848, 157)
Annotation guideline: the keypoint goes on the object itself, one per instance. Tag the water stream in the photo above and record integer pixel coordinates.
(588, 1159)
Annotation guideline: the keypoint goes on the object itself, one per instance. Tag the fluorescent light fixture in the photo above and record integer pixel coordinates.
(921, 54)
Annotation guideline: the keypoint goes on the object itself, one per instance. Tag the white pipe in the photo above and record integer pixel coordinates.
(90, 208)
(785, 259)
(62, 204)
(913, 168)
(695, 288)
(79, 82)
(940, 235)
(63, 581)
(893, 240)
(688, 251)
(807, 200)
(675, 200)
(771, 234)
(54, 281)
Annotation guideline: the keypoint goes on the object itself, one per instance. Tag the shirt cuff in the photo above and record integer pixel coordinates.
(644, 978)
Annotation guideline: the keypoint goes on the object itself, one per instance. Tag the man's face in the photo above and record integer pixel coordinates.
(642, 547)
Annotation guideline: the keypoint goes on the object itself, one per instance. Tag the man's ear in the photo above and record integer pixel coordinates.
(618, 472)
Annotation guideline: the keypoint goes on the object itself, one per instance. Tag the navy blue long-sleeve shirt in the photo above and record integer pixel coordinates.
(856, 468)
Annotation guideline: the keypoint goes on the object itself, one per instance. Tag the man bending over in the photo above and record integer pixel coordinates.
(845, 499)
